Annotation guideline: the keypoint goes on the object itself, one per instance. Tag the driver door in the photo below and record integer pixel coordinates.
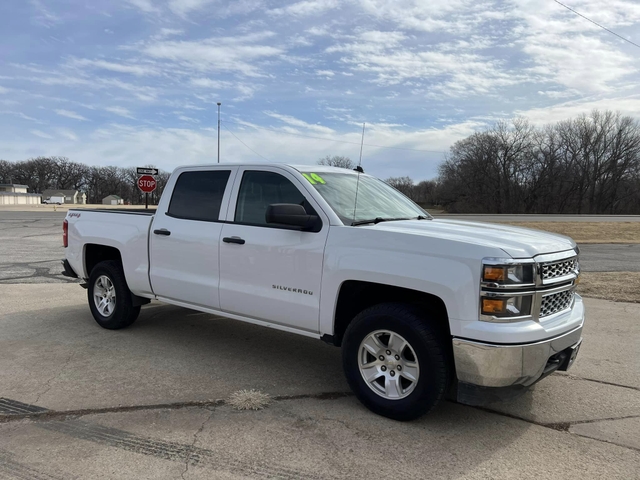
(268, 272)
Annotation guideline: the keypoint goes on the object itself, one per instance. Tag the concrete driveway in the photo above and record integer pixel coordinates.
(148, 402)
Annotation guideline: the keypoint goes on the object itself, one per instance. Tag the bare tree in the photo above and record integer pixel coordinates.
(402, 184)
(589, 164)
(337, 161)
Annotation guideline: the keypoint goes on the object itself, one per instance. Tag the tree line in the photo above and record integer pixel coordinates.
(59, 173)
(586, 165)
(589, 164)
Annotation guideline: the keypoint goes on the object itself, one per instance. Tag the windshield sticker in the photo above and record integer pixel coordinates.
(314, 178)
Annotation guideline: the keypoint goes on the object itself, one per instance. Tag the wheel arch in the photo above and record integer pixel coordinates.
(354, 296)
(95, 253)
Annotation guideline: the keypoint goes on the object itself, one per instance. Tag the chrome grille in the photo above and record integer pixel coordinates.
(555, 303)
(559, 269)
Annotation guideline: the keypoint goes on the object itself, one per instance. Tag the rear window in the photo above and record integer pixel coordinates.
(198, 195)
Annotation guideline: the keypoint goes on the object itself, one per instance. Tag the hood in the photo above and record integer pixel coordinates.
(518, 242)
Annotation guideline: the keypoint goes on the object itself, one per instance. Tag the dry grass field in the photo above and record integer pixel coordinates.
(614, 286)
(589, 232)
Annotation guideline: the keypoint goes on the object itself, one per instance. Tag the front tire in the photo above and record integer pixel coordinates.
(395, 361)
(109, 296)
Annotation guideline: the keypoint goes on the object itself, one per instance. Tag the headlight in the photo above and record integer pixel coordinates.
(504, 307)
(508, 289)
(508, 274)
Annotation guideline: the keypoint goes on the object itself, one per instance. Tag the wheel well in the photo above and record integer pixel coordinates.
(94, 254)
(356, 296)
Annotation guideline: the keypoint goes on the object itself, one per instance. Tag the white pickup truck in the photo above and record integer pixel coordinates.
(423, 308)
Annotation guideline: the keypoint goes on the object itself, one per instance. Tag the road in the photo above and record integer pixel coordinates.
(149, 402)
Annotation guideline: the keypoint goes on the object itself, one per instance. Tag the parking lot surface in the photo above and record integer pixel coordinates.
(78, 401)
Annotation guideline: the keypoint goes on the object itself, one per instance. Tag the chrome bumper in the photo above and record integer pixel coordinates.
(490, 365)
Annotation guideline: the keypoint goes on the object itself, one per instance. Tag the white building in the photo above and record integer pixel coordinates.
(11, 194)
(112, 200)
(70, 196)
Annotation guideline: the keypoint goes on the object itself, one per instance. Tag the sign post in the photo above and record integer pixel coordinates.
(147, 184)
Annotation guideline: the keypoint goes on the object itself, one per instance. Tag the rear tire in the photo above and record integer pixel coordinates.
(390, 344)
(109, 296)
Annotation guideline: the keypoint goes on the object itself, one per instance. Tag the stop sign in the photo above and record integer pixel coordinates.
(147, 183)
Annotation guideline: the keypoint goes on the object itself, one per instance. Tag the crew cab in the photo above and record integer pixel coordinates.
(422, 308)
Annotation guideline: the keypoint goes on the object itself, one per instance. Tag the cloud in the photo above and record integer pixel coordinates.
(306, 8)
(629, 105)
(68, 134)
(120, 111)
(296, 122)
(169, 32)
(139, 70)
(240, 54)
(183, 7)
(450, 74)
(23, 116)
(147, 6)
(573, 52)
(41, 134)
(245, 91)
(325, 73)
(70, 114)
(43, 16)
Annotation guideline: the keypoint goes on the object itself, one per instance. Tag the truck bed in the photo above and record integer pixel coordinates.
(135, 211)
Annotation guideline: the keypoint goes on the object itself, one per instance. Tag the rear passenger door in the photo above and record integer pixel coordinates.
(185, 236)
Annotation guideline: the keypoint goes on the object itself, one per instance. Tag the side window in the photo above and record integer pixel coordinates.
(198, 195)
(259, 189)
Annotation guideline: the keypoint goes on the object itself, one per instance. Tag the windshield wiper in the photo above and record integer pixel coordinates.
(376, 221)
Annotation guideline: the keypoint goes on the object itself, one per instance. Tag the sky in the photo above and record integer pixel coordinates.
(136, 82)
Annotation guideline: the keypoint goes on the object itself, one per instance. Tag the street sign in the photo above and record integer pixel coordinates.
(147, 183)
(147, 171)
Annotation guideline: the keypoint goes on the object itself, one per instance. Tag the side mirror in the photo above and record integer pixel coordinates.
(292, 215)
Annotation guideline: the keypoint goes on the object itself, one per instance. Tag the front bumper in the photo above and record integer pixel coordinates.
(488, 372)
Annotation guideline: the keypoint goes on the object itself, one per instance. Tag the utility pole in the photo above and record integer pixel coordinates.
(219, 131)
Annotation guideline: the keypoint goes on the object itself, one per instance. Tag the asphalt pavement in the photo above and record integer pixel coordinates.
(149, 401)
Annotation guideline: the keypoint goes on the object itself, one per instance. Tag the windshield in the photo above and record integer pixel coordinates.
(376, 199)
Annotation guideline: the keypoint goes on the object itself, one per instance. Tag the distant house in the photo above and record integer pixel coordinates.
(11, 194)
(70, 196)
(112, 200)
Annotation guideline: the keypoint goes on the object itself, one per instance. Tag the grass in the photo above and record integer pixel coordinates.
(589, 232)
(249, 400)
(614, 286)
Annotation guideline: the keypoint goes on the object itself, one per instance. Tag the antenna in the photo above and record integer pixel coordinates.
(359, 170)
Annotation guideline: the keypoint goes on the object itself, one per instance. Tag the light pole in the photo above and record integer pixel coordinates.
(219, 131)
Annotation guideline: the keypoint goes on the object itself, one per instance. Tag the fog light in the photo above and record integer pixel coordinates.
(505, 307)
(491, 306)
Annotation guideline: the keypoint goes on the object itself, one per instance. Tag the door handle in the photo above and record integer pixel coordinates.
(162, 231)
(238, 240)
